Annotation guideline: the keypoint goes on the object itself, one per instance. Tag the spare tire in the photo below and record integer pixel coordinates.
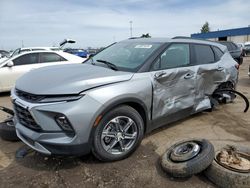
(227, 178)
(8, 131)
(187, 158)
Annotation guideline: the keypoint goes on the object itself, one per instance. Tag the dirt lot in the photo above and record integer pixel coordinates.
(226, 125)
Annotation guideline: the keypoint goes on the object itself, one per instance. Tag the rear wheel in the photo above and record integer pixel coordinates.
(118, 134)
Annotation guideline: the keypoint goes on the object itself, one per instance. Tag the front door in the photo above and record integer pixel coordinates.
(174, 83)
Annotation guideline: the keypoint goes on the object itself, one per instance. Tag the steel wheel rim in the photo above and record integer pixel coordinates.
(119, 135)
(185, 151)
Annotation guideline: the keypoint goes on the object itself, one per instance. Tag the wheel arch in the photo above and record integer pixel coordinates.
(135, 103)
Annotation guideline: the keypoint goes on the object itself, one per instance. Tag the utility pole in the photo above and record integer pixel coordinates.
(131, 34)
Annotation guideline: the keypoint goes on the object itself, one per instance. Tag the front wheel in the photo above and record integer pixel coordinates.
(118, 134)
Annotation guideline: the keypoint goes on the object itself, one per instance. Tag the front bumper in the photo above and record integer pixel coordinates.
(51, 139)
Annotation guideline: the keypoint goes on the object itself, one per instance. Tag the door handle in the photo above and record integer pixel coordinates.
(220, 68)
(160, 74)
(188, 76)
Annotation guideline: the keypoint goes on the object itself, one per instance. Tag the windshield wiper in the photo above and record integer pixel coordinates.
(110, 65)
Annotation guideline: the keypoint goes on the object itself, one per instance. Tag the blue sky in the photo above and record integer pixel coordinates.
(99, 23)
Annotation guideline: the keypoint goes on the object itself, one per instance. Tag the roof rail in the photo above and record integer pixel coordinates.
(181, 37)
(184, 37)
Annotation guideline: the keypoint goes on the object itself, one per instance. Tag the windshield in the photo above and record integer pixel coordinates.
(16, 52)
(126, 56)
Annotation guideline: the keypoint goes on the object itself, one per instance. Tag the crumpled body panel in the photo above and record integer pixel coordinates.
(190, 87)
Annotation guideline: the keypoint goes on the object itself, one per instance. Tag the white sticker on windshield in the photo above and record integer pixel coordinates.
(143, 46)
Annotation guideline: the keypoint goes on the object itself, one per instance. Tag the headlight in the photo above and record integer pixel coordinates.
(67, 98)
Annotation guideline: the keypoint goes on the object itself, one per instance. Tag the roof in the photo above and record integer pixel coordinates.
(223, 33)
(177, 39)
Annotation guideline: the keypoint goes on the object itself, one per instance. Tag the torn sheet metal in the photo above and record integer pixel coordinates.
(189, 87)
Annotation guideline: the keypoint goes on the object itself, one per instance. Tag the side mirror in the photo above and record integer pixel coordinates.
(10, 64)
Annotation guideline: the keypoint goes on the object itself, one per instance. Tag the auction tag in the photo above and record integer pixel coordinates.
(143, 46)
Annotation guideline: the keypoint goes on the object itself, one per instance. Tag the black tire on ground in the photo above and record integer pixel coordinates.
(8, 131)
(124, 110)
(226, 178)
(192, 166)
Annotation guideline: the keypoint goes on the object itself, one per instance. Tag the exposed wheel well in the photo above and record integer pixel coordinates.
(227, 85)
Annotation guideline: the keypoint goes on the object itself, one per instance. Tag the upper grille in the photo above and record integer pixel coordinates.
(28, 97)
(25, 118)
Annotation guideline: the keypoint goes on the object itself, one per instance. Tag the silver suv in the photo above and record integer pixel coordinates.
(108, 103)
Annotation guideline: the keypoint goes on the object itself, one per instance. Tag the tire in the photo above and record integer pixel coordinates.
(123, 115)
(8, 131)
(187, 168)
(226, 178)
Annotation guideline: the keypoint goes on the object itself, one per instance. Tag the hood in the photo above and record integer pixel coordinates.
(68, 79)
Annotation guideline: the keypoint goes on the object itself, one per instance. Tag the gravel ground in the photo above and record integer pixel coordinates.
(225, 125)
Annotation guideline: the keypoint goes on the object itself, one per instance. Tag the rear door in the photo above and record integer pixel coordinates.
(174, 83)
(210, 72)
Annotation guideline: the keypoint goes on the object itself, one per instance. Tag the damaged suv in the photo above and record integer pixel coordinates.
(108, 103)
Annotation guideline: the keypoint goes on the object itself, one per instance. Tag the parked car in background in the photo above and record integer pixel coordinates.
(234, 50)
(28, 49)
(79, 52)
(108, 103)
(14, 67)
(241, 45)
(3, 54)
(247, 48)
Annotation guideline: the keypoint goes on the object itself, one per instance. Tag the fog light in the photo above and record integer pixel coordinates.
(64, 123)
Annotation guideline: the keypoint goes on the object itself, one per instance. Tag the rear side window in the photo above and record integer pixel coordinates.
(218, 53)
(177, 55)
(203, 54)
(26, 59)
(50, 57)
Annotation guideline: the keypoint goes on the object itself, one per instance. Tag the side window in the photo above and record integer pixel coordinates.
(203, 54)
(218, 53)
(26, 59)
(50, 57)
(176, 55)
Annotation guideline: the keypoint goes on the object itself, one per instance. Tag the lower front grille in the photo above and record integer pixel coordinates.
(25, 118)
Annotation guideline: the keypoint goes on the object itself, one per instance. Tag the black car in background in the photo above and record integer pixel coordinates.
(234, 50)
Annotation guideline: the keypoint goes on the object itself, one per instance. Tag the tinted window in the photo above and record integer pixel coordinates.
(203, 54)
(26, 59)
(177, 55)
(218, 53)
(50, 57)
